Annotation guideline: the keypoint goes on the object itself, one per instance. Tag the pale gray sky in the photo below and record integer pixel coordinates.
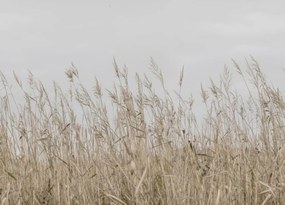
(46, 36)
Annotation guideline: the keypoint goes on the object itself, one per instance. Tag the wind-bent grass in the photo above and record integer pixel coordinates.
(150, 151)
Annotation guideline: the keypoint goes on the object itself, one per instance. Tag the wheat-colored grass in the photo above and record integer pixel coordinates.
(146, 148)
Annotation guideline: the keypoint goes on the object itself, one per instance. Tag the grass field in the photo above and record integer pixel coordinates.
(142, 147)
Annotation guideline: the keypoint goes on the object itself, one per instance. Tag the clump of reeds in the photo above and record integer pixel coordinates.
(142, 147)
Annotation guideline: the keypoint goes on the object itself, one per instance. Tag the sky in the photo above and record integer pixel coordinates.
(45, 37)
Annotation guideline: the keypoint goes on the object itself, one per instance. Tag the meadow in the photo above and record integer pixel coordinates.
(138, 146)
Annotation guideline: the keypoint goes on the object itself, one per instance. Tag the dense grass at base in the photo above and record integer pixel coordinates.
(151, 150)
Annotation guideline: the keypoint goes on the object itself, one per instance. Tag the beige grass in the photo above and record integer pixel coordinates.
(150, 151)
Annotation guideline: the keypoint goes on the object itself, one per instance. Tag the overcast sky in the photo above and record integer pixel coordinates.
(46, 36)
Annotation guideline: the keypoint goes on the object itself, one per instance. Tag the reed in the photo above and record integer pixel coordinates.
(142, 147)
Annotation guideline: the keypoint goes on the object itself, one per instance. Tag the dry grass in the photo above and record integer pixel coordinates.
(150, 151)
